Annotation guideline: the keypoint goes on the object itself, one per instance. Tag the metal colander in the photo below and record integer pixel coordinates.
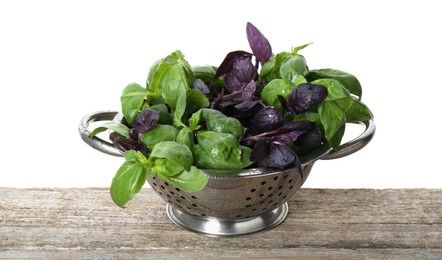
(245, 195)
(233, 203)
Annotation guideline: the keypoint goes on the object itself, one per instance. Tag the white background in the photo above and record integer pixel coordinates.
(62, 59)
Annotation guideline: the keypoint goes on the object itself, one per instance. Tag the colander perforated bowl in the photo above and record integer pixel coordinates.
(233, 203)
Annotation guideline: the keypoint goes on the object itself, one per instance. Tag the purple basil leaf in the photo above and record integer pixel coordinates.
(282, 101)
(259, 44)
(279, 156)
(129, 144)
(245, 111)
(268, 119)
(201, 87)
(248, 90)
(240, 75)
(145, 120)
(303, 125)
(134, 134)
(244, 69)
(227, 63)
(287, 137)
(306, 96)
(310, 139)
(290, 131)
(232, 83)
(250, 107)
(260, 149)
(244, 94)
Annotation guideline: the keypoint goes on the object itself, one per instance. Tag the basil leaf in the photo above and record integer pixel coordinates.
(158, 134)
(259, 44)
(129, 178)
(304, 97)
(180, 109)
(188, 181)
(114, 126)
(185, 136)
(275, 88)
(358, 112)
(165, 117)
(174, 152)
(298, 48)
(150, 77)
(334, 88)
(332, 119)
(145, 120)
(271, 69)
(194, 101)
(335, 140)
(220, 151)
(349, 81)
(164, 167)
(292, 66)
(268, 70)
(132, 101)
(216, 121)
(207, 74)
(310, 116)
(172, 77)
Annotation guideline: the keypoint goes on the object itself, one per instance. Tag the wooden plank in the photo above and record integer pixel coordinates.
(331, 223)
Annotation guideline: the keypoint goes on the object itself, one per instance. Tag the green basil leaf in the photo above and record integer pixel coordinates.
(174, 152)
(132, 101)
(271, 69)
(218, 122)
(358, 112)
(136, 156)
(179, 111)
(207, 74)
(298, 48)
(335, 140)
(220, 151)
(158, 134)
(292, 66)
(129, 178)
(174, 85)
(153, 71)
(188, 181)
(335, 89)
(275, 88)
(349, 81)
(195, 100)
(114, 126)
(268, 70)
(164, 167)
(332, 119)
(345, 103)
(310, 116)
(186, 136)
(172, 77)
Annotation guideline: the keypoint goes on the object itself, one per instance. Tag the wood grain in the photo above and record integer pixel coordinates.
(322, 224)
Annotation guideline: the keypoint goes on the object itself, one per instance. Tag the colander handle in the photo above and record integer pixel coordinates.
(354, 145)
(96, 142)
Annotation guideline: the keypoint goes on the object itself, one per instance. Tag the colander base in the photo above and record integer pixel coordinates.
(221, 227)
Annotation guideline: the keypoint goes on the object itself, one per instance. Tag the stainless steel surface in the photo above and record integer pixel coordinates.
(235, 197)
(212, 226)
(233, 203)
(95, 142)
(354, 145)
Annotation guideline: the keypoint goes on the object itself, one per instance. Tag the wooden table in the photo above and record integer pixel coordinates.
(322, 223)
